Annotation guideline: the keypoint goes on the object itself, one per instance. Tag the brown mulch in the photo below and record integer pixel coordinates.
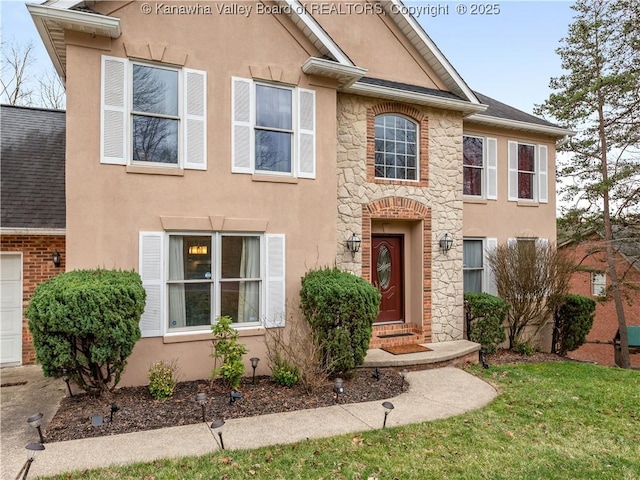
(138, 410)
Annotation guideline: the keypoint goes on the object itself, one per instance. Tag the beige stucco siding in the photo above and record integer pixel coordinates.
(503, 219)
(108, 206)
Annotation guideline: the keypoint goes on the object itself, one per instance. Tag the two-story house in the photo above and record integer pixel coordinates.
(224, 149)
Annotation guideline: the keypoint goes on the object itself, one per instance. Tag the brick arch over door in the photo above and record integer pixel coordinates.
(423, 142)
(404, 209)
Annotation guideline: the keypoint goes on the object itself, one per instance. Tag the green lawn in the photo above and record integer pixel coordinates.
(550, 421)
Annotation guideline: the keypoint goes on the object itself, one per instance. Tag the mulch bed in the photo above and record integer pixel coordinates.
(138, 410)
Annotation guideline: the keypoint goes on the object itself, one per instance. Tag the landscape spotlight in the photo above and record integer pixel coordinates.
(217, 426)
(483, 357)
(254, 365)
(376, 374)
(33, 449)
(114, 409)
(36, 421)
(233, 396)
(388, 406)
(67, 379)
(403, 373)
(338, 388)
(201, 398)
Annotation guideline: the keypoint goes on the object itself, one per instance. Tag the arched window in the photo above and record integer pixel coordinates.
(396, 147)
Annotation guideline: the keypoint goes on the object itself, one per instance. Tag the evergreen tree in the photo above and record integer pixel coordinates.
(599, 98)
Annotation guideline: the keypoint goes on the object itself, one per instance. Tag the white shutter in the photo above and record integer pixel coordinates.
(306, 133)
(492, 169)
(114, 115)
(513, 171)
(150, 251)
(543, 175)
(489, 278)
(195, 119)
(276, 294)
(242, 125)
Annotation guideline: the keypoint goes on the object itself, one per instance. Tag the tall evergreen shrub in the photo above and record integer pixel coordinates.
(487, 315)
(84, 325)
(573, 321)
(341, 308)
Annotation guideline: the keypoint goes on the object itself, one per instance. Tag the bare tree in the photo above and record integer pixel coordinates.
(15, 73)
(532, 276)
(52, 93)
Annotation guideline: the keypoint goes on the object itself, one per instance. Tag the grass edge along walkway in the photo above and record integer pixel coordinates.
(561, 420)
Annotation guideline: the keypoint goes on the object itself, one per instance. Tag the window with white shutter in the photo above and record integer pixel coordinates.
(191, 279)
(273, 129)
(147, 121)
(528, 172)
(480, 167)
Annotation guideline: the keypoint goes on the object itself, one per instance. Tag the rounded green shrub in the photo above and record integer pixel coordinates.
(285, 374)
(340, 308)
(162, 379)
(487, 315)
(84, 325)
(573, 321)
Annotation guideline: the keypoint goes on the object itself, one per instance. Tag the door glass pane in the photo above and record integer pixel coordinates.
(383, 267)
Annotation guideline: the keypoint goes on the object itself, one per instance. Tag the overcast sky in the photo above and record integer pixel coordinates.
(505, 50)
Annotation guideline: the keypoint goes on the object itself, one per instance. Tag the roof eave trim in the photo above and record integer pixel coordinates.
(402, 12)
(520, 125)
(81, 19)
(346, 74)
(296, 9)
(365, 89)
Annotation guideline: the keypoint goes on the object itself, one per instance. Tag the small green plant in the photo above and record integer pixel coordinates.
(227, 350)
(523, 348)
(285, 374)
(163, 376)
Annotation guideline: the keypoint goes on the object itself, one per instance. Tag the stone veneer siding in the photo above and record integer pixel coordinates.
(436, 200)
(37, 266)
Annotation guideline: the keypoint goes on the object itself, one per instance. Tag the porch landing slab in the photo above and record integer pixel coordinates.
(455, 352)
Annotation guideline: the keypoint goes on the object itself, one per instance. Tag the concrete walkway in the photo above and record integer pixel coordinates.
(433, 394)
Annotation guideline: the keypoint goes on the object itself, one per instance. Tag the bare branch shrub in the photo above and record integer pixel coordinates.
(297, 346)
(532, 276)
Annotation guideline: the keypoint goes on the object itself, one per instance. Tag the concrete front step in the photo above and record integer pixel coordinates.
(453, 353)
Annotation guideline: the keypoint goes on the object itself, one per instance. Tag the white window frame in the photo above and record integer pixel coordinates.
(132, 112)
(540, 188)
(598, 287)
(116, 124)
(417, 167)
(483, 267)
(243, 155)
(489, 176)
(216, 280)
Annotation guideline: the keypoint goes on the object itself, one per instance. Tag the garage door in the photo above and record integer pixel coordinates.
(10, 308)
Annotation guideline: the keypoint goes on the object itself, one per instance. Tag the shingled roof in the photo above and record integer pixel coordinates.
(32, 155)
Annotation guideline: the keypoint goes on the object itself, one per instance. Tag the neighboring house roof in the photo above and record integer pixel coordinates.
(32, 167)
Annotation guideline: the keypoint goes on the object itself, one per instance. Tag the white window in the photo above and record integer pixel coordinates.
(396, 148)
(598, 284)
(480, 167)
(191, 279)
(152, 115)
(528, 176)
(477, 275)
(273, 129)
(473, 265)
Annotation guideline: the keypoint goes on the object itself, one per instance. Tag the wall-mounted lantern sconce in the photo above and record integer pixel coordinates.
(353, 244)
(445, 243)
(55, 258)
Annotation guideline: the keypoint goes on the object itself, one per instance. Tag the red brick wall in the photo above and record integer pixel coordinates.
(605, 323)
(37, 267)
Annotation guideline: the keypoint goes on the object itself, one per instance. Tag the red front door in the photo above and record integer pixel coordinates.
(387, 275)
